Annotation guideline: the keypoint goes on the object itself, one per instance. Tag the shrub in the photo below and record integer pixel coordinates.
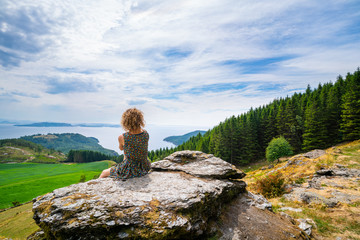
(271, 186)
(277, 148)
(16, 203)
(82, 178)
(300, 180)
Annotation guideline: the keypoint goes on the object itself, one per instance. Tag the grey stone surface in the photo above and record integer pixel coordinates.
(345, 197)
(168, 203)
(314, 153)
(151, 204)
(290, 209)
(305, 226)
(258, 201)
(198, 164)
(311, 197)
(243, 220)
(172, 203)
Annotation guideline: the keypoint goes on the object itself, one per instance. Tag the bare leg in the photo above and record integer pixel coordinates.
(105, 173)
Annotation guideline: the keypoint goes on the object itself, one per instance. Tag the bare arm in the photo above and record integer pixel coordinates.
(121, 142)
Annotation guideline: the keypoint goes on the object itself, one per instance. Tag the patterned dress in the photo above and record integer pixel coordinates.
(136, 163)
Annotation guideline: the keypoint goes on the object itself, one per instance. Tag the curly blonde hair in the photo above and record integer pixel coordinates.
(132, 119)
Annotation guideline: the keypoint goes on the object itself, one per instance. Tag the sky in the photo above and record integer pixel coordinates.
(181, 62)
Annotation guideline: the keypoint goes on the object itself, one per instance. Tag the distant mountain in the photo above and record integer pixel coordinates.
(177, 140)
(65, 142)
(57, 124)
(96, 125)
(45, 124)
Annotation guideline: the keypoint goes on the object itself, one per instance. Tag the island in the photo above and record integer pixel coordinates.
(177, 140)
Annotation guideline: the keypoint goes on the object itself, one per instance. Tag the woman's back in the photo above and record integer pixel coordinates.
(135, 163)
(136, 146)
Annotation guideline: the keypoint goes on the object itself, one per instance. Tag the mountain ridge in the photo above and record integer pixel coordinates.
(63, 124)
(177, 140)
(65, 142)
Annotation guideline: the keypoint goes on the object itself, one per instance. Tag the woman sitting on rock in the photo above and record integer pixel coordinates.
(135, 145)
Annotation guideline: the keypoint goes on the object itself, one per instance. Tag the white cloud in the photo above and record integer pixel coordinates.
(93, 59)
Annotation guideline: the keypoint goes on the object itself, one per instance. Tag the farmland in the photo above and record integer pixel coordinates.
(21, 182)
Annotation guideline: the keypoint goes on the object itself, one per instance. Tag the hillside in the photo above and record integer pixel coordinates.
(69, 141)
(20, 150)
(322, 187)
(337, 216)
(177, 140)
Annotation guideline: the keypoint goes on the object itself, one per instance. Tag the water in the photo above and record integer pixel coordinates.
(107, 136)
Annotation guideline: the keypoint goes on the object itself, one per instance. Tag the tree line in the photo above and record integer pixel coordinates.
(83, 156)
(317, 118)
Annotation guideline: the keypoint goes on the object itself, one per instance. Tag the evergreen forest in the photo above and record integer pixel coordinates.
(317, 118)
(83, 156)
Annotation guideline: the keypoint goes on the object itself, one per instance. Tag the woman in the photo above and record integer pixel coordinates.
(134, 142)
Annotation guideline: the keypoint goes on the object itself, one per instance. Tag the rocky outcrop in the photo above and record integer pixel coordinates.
(243, 219)
(314, 153)
(328, 186)
(198, 164)
(188, 195)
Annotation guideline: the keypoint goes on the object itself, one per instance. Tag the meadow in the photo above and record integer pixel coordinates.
(21, 182)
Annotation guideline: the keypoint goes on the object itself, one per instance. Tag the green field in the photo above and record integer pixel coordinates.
(21, 182)
(17, 223)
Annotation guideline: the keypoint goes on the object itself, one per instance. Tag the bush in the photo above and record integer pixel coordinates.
(277, 148)
(271, 186)
(82, 178)
(16, 203)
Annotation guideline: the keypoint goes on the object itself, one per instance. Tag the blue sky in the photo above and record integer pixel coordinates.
(182, 62)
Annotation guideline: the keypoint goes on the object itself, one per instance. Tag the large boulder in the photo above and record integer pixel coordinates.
(181, 198)
(198, 164)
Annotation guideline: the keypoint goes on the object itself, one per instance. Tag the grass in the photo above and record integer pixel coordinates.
(329, 223)
(21, 182)
(17, 223)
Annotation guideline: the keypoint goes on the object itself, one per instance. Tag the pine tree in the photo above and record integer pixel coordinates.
(350, 125)
(314, 125)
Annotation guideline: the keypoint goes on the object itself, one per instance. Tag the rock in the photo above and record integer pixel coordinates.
(244, 221)
(314, 154)
(311, 197)
(305, 226)
(176, 200)
(325, 172)
(288, 217)
(308, 197)
(341, 172)
(198, 164)
(38, 235)
(291, 209)
(315, 182)
(146, 207)
(296, 160)
(345, 197)
(258, 201)
(339, 165)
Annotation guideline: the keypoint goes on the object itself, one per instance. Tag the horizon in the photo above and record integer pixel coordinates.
(183, 64)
